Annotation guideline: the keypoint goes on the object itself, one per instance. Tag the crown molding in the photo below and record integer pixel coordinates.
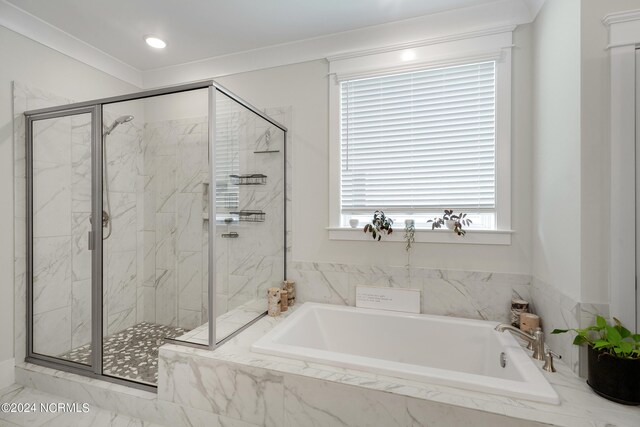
(426, 42)
(620, 17)
(624, 28)
(501, 15)
(34, 28)
(491, 18)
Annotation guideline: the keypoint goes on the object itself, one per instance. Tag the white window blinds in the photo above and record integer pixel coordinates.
(227, 153)
(420, 141)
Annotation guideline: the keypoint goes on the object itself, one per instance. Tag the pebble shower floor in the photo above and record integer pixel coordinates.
(131, 353)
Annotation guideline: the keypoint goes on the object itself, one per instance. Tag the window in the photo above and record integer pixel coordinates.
(416, 143)
(423, 127)
(227, 153)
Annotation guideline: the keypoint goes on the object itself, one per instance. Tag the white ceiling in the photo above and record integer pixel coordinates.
(199, 29)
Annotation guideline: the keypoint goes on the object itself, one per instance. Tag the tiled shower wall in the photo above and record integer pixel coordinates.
(62, 207)
(155, 260)
(123, 152)
(173, 289)
(255, 260)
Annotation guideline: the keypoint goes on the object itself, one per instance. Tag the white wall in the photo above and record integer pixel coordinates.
(37, 66)
(556, 146)
(571, 147)
(185, 105)
(305, 87)
(595, 128)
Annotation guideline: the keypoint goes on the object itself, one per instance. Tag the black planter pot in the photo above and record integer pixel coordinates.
(614, 378)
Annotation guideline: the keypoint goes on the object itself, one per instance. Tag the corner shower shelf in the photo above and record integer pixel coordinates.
(249, 179)
(249, 215)
(266, 151)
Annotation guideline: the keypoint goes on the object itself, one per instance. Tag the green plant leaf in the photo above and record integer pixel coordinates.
(601, 322)
(626, 347)
(601, 344)
(579, 339)
(624, 332)
(613, 336)
(636, 337)
(560, 331)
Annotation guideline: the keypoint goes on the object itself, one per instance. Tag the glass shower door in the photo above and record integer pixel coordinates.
(59, 213)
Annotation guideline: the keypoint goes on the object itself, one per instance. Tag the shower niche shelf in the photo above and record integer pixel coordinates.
(249, 215)
(249, 179)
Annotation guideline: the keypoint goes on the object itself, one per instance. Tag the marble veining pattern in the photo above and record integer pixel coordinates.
(95, 417)
(122, 400)
(314, 391)
(151, 272)
(467, 294)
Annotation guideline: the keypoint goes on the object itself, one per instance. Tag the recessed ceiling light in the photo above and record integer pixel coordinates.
(155, 42)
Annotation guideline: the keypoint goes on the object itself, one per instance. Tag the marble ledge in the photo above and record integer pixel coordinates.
(506, 279)
(579, 407)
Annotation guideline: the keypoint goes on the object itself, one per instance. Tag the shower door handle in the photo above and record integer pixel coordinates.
(90, 235)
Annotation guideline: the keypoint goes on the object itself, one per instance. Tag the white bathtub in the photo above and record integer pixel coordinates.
(442, 350)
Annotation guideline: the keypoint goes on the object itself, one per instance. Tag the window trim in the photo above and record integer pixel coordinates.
(496, 46)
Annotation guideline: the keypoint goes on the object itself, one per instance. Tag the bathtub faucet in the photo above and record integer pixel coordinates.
(535, 340)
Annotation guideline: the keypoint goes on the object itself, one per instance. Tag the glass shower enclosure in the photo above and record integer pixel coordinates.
(152, 217)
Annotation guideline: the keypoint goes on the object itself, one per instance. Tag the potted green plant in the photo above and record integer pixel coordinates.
(409, 233)
(380, 224)
(613, 360)
(452, 222)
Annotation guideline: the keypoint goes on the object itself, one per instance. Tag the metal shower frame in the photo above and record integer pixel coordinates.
(95, 109)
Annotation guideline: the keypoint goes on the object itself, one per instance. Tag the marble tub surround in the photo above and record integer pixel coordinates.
(476, 295)
(558, 311)
(450, 351)
(296, 393)
(468, 294)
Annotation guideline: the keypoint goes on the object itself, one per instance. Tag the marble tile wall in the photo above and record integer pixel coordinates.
(173, 232)
(123, 149)
(54, 221)
(155, 260)
(467, 294)
(62, 204)
(255, 260)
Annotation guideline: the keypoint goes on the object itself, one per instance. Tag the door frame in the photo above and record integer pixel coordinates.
(96, 109)
(624, 265)
(96, 114)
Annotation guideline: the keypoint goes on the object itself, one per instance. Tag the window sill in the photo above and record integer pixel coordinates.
(473, 237)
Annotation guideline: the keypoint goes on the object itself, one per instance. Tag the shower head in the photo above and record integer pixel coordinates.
(117, 122)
